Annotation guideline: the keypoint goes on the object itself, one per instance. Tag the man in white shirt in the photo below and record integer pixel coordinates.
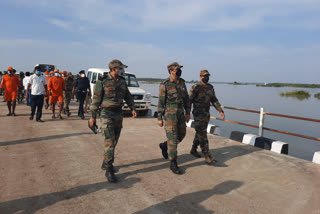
(25, 85)
(38, 85)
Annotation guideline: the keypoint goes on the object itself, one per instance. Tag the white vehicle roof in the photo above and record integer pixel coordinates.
(103, 70)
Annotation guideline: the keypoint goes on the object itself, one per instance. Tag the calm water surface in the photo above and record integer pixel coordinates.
(252, 97)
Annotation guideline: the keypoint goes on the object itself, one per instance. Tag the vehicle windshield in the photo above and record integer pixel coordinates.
(131, 80)
(45, 67)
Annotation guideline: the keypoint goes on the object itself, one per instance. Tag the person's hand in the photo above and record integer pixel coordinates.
(27, 96)
(134, 114)
(92, 122)
(45, 93)
(160, 123)
(222, 115)
(187, 118)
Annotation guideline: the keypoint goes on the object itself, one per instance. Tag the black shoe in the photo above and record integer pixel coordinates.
(194, 151)
(175, 169)
(110, 174)
(31, 118)
(40, 121)
(82, 117)
(163, 146)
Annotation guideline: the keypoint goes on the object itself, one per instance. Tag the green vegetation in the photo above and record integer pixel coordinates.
(150, 80)
(289, 85)
(317, 96)
(298, 94)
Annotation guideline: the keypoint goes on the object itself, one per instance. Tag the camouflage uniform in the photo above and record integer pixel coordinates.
(109, 95)
(67, 94)
(173, 101)
(201, 96)
(20, 91)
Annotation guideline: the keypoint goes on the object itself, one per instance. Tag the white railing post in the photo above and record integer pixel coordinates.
(261, 122)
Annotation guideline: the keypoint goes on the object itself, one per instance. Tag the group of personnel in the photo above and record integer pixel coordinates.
(49, 88)
(174, 108)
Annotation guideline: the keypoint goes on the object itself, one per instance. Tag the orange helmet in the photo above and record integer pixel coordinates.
(64, 72)
(56, 70)
(51, 72)
(46, 72)
(10, 68)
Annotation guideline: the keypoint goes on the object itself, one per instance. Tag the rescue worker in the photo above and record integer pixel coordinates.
(108, 98)
(67, 94)
(201, 95)
(46, 98)
(81, 87)
(174, 109)
(11, 83)
(56, 87)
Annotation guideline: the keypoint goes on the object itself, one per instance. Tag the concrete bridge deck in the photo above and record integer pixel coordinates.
(54, 167)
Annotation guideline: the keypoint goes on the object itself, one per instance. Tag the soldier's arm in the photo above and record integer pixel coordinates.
(215, 102)
(187, 104)
(129, 99)
(97, 99)
(161, 101)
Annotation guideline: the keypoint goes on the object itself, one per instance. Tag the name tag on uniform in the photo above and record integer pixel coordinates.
(110, 89)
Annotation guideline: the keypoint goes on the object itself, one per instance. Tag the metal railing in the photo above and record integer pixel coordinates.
(261, 122)
(261, 126)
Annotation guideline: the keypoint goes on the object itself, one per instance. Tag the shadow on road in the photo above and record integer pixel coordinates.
(35, 203)
(221, 154)
(190, 203)
(32, 140)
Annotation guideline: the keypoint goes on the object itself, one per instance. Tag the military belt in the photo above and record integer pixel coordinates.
(174, 105)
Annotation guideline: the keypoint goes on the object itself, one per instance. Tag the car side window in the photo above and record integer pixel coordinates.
(94, 78)
(89, 75)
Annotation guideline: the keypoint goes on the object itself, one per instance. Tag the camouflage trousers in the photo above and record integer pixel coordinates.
(201, 120)
(175, 127)
(111, 125)
(67, 95)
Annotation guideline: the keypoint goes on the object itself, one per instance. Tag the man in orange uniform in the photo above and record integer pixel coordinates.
(47, 76)
(56, 87)
(11, 83)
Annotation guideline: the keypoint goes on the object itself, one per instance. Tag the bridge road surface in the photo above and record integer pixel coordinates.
(54, 167)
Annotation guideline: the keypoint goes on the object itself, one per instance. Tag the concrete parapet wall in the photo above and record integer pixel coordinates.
(261, 142)
(211, 129)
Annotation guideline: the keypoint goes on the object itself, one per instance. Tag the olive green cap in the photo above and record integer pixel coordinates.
(116, 64)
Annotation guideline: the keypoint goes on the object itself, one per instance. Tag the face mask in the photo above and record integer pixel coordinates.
(121, 72)
(38, 73)
(10, 72)
(82, 75)
(179, 72)
(205, 79)
(56, 74)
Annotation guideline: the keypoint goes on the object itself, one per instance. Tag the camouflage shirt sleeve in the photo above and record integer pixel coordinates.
(215, 102)
(97, 99)
(161, 101)
(129, 99)
(192, 95)
(187, 104)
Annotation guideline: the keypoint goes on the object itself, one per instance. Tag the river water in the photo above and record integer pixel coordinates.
(252, 97)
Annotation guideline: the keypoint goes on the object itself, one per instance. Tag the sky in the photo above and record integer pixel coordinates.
(235, 40)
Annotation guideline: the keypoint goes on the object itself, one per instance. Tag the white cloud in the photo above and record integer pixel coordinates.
(203, 15)
(60, 23)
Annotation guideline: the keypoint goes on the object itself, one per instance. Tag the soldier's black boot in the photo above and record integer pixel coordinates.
(110, 174)
(194, 151)
(164, 148)
(175, 169)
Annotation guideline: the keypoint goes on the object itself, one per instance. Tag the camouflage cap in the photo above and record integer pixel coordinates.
(116, 64)
(174, 65)
(204, 72)
(69, 74)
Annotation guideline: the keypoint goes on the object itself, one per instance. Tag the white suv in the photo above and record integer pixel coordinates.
(142, 99)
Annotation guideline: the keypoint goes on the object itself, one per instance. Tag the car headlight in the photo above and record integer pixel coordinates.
(147, 97)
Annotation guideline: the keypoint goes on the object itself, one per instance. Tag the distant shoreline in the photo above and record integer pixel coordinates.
(291, 85)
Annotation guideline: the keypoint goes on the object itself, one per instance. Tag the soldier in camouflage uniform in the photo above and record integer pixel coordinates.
(201, 95)
(67, 94)
(174, 108)
(108, 98)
